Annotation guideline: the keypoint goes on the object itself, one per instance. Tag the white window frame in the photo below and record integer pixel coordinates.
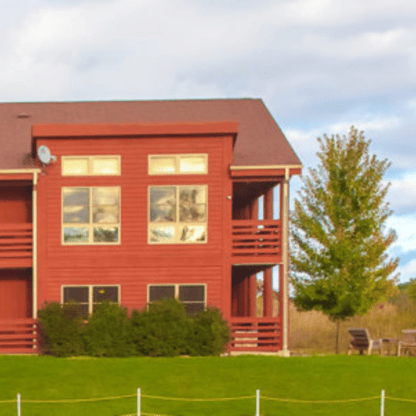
(90, 159)
(177, 158)
(176, 296)
(90, 225)
(177, 224)
(90, 294)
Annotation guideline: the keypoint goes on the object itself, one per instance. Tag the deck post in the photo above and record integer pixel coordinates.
(284, 269)
(252, 295)
(34, 247)
(267, 275)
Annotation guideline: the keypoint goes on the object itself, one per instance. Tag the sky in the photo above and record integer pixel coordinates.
(320, 66)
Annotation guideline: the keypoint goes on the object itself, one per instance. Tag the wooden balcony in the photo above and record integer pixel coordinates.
(256, 242)
(19, 336)
(16, 241)
(255, 334)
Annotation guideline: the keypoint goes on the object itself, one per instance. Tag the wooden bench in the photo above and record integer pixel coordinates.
(407, 343)
(362, 341)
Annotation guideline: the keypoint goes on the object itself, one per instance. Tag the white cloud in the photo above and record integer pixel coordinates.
(408, 271)
(402, 193)
(320, 65)
(405, 227)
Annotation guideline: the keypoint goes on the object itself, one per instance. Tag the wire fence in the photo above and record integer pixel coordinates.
(19, 401)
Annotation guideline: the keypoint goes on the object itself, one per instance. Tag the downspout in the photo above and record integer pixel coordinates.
(285, 252)
(35, 247)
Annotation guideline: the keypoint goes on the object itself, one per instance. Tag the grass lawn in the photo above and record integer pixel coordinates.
(307, 378)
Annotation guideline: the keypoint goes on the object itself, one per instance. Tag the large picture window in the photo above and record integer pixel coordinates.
(192, 296)
(178, 214)
(88, 297)
(189, 164)
(91, 215)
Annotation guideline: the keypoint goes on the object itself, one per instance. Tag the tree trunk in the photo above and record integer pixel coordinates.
(338, 336)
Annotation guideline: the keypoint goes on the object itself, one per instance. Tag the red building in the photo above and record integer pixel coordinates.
(141, 200)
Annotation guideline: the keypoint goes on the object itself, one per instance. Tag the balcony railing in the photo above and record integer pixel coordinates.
(257, 240)
(19, 336)
(16, 241)
(255, 334)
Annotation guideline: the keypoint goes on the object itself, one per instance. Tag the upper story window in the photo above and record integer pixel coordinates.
(189, 164)
(91, 165)
(178, 214)
(91, 215)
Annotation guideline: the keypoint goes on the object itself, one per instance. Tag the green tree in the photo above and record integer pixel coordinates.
(339, 239)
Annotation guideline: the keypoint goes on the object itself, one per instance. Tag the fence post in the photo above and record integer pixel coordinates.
(257, 402)
(18, 405)
(138, 401)
(382, 403)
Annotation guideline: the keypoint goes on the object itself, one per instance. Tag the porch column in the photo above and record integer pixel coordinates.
(34, 247)
(253, 295)
(267, 275)
(253, 215)
(284, 266)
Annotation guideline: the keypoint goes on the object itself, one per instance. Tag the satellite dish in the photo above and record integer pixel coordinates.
(44, 155)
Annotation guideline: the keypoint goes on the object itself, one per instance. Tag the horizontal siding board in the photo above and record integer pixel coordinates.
(134, 263)
(133, 282)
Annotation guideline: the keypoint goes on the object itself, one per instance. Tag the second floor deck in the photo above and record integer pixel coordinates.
(256, 241)
(16, 245)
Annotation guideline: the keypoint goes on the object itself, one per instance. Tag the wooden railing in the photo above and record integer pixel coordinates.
(255, 334)
(16, 241)
(19, 336)
(256, 238)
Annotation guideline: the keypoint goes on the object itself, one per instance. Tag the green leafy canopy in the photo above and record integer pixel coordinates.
(339, 263)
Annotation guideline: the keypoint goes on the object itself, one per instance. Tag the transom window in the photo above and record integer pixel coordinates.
(192, 296)
(193, 164)
(91, 165)
(91, 215)
(88, 297)
(178, 214)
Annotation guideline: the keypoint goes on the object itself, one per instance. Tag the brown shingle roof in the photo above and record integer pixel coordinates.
(260, 141)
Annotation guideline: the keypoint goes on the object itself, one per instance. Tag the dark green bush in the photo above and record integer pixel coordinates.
(162, 330)
(210, 333)
(108, 332)
(61, 329)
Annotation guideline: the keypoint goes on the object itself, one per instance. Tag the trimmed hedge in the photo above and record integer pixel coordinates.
(108, 332)
(162, 329)
(61, 329)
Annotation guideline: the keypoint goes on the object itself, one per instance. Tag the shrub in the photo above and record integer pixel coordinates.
(108, 332)
(61, 328)
(210, 333)
(162, 330)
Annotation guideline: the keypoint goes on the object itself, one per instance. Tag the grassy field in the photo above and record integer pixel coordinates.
(307, 378)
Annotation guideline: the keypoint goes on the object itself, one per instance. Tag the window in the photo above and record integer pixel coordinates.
(91, 215)
(88, 297)
(194, 164)
(178, 214)
(192, 296)
(91, 165)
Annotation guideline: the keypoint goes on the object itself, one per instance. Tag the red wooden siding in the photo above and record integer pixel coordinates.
(15, 204)
(15, 293)
(133, 281)
(134, 263)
